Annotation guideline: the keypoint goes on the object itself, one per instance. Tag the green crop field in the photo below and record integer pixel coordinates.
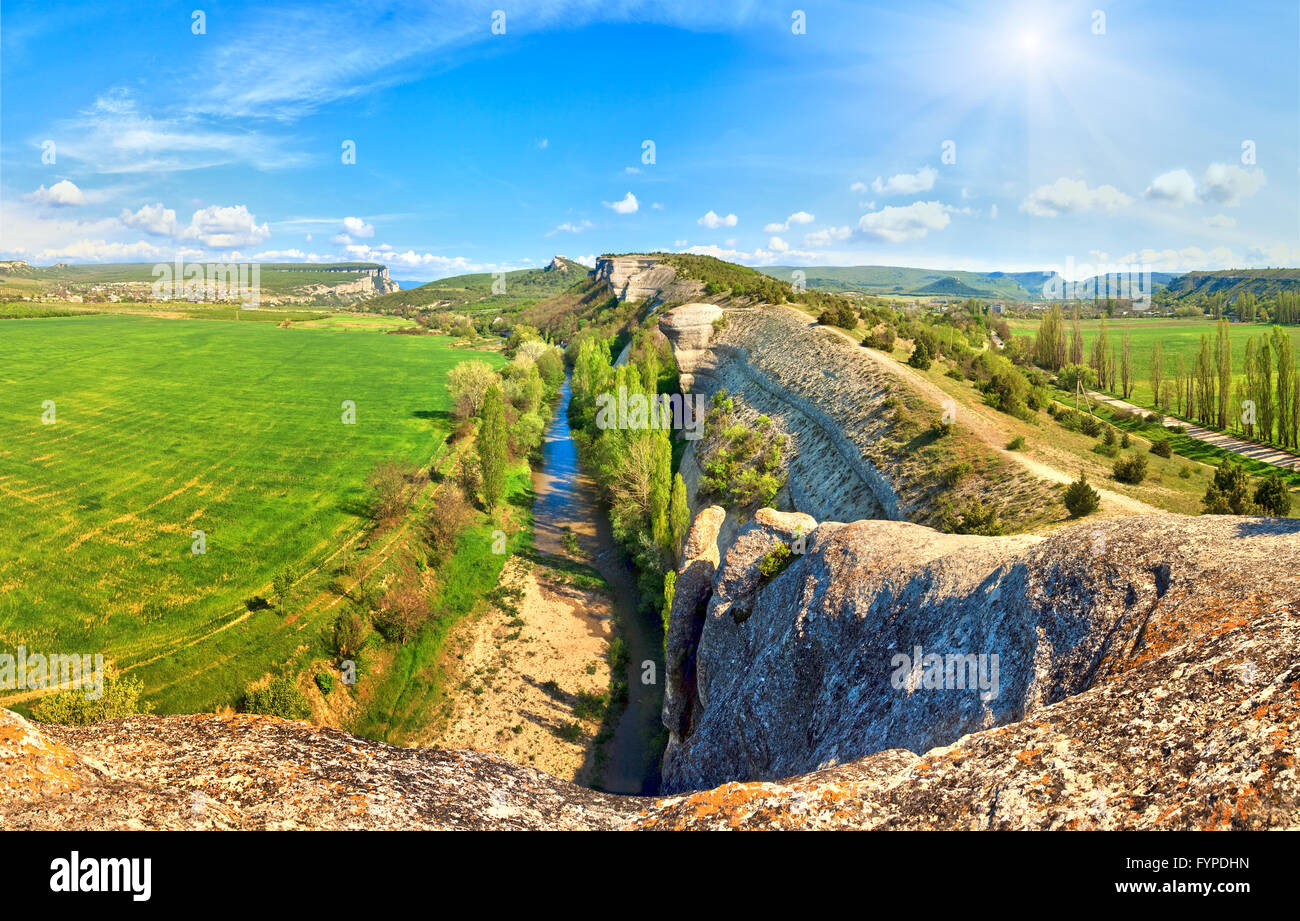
(1176, 337)
(164, 427)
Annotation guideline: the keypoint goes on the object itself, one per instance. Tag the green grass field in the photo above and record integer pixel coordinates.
(164, 427)
(1176, 337)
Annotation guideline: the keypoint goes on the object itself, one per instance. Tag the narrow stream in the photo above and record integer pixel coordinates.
(566, 496)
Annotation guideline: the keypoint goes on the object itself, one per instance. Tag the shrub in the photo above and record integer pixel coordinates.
(1131, 468)
(120, 697)
(1080, 498)
(1105, 450)
(882, 339)
(448, 516)
(1108, 436)
(349, 633)
(1125, 441)
(1162, 448)
(974, 518)
(1090, 425)
(1228, 493)
(775, 561)
(325, 681)
(922, 355)
(955, 473)
(280, 697)
(1272, 496)
(1016, 444)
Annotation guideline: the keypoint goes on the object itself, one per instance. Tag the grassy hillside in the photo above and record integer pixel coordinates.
(473, 293)
(898, 280)
(166, 427)
(1234, 282)
(275, 277)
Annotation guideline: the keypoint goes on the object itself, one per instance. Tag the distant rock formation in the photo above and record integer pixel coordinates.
(634, 277)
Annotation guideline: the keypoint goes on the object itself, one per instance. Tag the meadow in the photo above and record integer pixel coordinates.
(1176, 337)
(164, 427)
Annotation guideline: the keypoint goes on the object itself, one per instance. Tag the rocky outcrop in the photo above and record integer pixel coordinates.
(860, 446)
(1148, 679)
(1128, 659)
(645, 278)
(688, 329)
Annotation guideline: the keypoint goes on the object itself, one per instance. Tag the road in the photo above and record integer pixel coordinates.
(1255, 451)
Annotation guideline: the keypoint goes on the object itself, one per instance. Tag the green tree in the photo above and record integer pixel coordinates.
(493, 446)
(1229, 492)
(1273, 497)
(679, 513)
(661, 487)
(282, 584)
(1080, 498)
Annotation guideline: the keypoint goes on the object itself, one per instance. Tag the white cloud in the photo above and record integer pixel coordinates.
(1182, 260)
(1228, 183)
(657, 206)
(355, 227)
(1278, 255)
(626, 206)
(154, 219)
(908, 222)
(759, 256)
(567, 227)
(223, 227)
(61, 194)
(799, 217)
(712, 221)
(1069, 195)
(993, 212)
(1176, 187)
(906, 183)
(858, 187)
(777, 245)
(828, 236)
(543, 143)
(1221, 222)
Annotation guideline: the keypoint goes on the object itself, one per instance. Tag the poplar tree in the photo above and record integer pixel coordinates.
(492, 447)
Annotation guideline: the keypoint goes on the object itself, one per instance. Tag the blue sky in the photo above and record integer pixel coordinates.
(1165, 133)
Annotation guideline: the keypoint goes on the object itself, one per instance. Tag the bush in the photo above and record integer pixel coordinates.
(1272, 496)
(1131, 468)
(1090, 425)
(974, 518)
(1125, 441)
(279, 698)
(775, 562)
(882, 339)
(1080, 498)
(922, 355)
(1016, 444)
(955, 473)
(1105, 450)
(120, 697)
(1229, 491)
(1162, 448)
(325, 681)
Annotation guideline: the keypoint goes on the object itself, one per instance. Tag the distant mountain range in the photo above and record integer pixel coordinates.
(942, 283)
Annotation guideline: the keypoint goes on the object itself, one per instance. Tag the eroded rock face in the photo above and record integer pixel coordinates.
(635, 277)
(1127, 650)
(1149, 678)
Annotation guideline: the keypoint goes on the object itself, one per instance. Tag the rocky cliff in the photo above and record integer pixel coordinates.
(1148, 677)
(1138, 672)
(862, 443)
(643, 278)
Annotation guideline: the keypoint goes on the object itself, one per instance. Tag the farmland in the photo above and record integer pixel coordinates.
(1176, 337)
(165, 427)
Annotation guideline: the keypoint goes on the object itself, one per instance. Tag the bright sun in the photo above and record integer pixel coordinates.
(1029, 42)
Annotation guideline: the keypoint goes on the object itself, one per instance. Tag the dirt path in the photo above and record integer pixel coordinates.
(986, 426)
(518, 674)
(1252, 449)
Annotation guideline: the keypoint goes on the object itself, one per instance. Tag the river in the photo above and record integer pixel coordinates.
(566, 496)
